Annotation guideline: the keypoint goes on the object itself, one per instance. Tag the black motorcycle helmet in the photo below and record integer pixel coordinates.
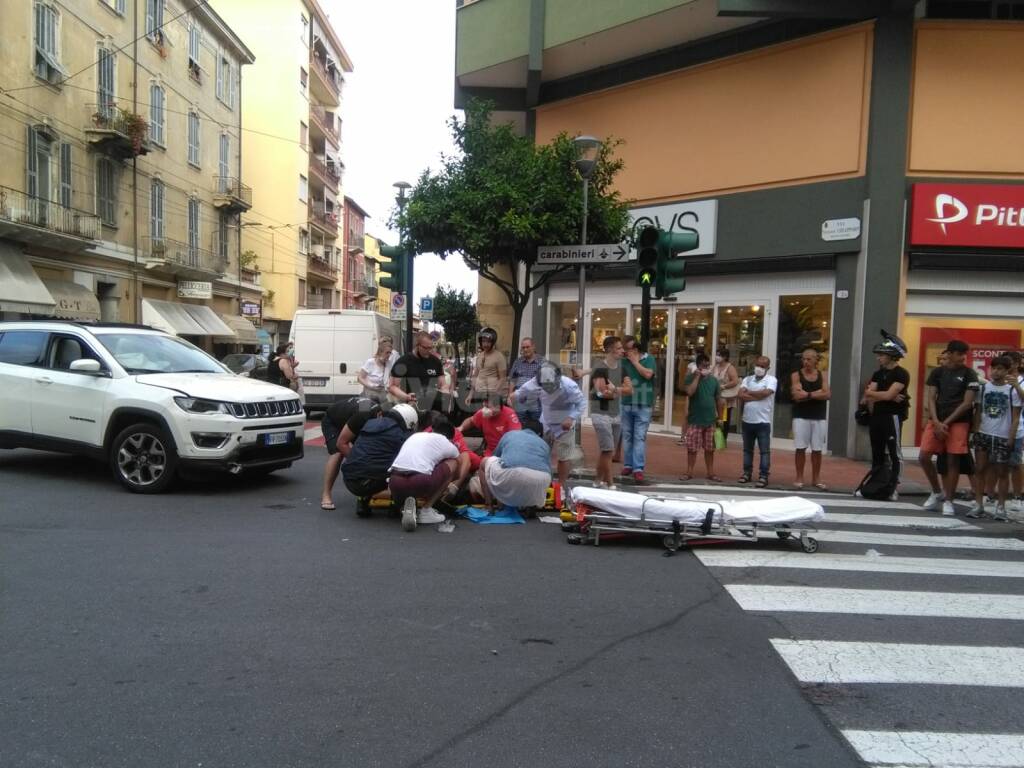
(488, 334)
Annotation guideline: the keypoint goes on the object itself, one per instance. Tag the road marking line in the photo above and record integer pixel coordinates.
(314, 433)
(933, 566)
(901, 521)
(907, 749)
(878, 602)
(843, 662)
(910, 540)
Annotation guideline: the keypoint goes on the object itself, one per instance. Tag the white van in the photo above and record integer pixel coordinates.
(331, 346)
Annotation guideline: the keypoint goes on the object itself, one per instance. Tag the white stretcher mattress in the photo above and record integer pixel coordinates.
(788, 510)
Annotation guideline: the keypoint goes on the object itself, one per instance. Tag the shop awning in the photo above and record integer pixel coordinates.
(208, 319)
(244, 330)
(21, 290)
(171, 317)
(74, 301)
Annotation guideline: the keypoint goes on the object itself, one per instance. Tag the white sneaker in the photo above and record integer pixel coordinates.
(947, 509)
(933, 502)
(977, 510)
(409, 515)
(429, 516)
(1000, 514)
(895, 496)
(1015, 506)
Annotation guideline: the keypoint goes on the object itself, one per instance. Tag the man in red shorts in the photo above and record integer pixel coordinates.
(949, 405)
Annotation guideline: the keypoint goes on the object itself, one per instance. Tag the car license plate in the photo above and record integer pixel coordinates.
(277, 438)
(314, 382)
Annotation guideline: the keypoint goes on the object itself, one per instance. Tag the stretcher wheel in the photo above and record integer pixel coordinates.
(570, 527)
(809, 544)
(575, 538)
(670, 543)
(783, 534)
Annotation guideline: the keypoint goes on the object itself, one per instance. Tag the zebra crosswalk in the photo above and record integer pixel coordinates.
(915, 611)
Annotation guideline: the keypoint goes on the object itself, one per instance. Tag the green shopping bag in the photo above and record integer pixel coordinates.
(719, 439)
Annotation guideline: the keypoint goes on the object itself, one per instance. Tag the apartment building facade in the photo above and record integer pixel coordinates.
(382, 304)
(360, 266)
(120, 167)
(292, 106)
(849, 167)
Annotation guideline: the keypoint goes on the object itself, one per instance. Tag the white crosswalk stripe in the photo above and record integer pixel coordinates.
(877, 602)
(916, 588)
(938, 750)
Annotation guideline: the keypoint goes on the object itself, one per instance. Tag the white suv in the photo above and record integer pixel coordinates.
(148, 403)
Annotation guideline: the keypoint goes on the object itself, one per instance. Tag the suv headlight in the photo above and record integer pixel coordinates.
(198, 405)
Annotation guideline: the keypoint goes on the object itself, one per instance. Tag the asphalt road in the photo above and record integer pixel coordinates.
(234, 623)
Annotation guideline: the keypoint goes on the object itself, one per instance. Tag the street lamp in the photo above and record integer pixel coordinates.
(400, 199)
(587, 150)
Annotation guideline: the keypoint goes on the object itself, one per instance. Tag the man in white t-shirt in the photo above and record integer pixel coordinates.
(757, 393)
(425, 468)
(996, 420)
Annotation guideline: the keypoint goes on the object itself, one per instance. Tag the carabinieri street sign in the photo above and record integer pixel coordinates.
(607, 253)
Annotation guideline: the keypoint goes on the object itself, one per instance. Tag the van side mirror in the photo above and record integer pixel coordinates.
(85, 366)
(343, 368)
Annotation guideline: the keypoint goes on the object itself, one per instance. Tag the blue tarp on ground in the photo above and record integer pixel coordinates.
(503, 516)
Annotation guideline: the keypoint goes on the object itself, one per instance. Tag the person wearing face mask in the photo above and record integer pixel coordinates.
(729, 381)
(704, 394)
(561, 405)
(757, 393)
(494, 420)
(281, 369)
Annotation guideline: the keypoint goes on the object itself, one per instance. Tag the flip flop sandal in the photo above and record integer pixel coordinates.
(821, 486)
(327, 506)
(715, 479)
(798, 485)
(685, 478)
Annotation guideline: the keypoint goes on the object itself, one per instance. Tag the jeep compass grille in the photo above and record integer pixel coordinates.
(266, 409)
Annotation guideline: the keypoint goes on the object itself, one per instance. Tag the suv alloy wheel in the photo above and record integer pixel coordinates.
(143, 458)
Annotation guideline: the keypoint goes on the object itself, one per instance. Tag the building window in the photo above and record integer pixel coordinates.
(157, 104)
(155, 20)
(302, 292)
(106, 191)
(39, 168)
(224, 162)
(193, 138)
(194, 38)
(303, 135)
(303, 242)
(47, 44)
(156, 210)
(193, 231)
(106, 83)
(305, 29)
(303, 188)
(222, 238)
(303, 79)
(65, 174)
(225, 81)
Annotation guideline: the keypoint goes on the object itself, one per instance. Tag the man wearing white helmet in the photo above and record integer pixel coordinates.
(886, 397)
(365, 469)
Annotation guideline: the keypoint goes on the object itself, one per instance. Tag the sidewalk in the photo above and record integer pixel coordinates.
(666, 461)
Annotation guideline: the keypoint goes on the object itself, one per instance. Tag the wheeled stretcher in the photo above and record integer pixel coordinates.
(598, 512)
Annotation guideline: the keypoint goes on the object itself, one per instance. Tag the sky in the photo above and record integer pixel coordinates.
(395, 110)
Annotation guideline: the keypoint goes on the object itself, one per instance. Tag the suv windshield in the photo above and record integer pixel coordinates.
(239, 363)
(150, 353)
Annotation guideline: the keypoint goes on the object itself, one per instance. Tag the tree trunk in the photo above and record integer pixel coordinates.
(518, 306)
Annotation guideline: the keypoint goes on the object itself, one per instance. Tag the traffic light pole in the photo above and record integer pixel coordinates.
(408, 301)
(645, 317)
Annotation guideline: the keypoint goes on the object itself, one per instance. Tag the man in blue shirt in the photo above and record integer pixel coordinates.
(519, 472)
(561, 405)
(523, 370)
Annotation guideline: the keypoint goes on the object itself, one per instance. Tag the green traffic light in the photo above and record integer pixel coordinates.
(395, 268)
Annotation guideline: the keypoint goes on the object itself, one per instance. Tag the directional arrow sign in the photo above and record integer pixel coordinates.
(605, 253)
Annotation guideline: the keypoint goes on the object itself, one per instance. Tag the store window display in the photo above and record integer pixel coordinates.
(562, 340)
(805, 322)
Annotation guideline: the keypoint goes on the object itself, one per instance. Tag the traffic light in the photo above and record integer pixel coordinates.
(646, 257)
(394, 267)
(665, 246)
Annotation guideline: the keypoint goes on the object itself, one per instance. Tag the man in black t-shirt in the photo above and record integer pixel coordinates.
(416, 375)
(949, 405)
(886, 396)
(351, 413)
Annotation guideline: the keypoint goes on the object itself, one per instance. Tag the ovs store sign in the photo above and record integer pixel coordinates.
(979, 215)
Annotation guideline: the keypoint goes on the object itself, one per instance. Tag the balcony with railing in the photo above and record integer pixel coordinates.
(356, 242)
(184, 259)
(319, 266)
(324, 217)
(328, 124)
(230, 194)
(33, 220)
(117, 132)
(326, 170)
(326, 81)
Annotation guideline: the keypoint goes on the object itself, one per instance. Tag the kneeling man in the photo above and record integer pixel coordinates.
(519, 472)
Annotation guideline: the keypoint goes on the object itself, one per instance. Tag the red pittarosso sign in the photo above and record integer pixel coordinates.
(983, 215)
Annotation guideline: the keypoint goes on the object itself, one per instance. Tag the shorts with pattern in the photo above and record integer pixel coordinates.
(699, 438)
(1017, 456)
(997, 448)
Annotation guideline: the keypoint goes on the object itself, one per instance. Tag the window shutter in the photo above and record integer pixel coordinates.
(65, 174)
(220, 77)
(232, 77)
(32, 168)
(150, 16)
(225, 148)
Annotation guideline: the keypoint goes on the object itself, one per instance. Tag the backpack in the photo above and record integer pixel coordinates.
(879, 483)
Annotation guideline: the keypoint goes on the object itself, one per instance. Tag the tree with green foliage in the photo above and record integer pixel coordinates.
(503, 196)
(455, 311)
